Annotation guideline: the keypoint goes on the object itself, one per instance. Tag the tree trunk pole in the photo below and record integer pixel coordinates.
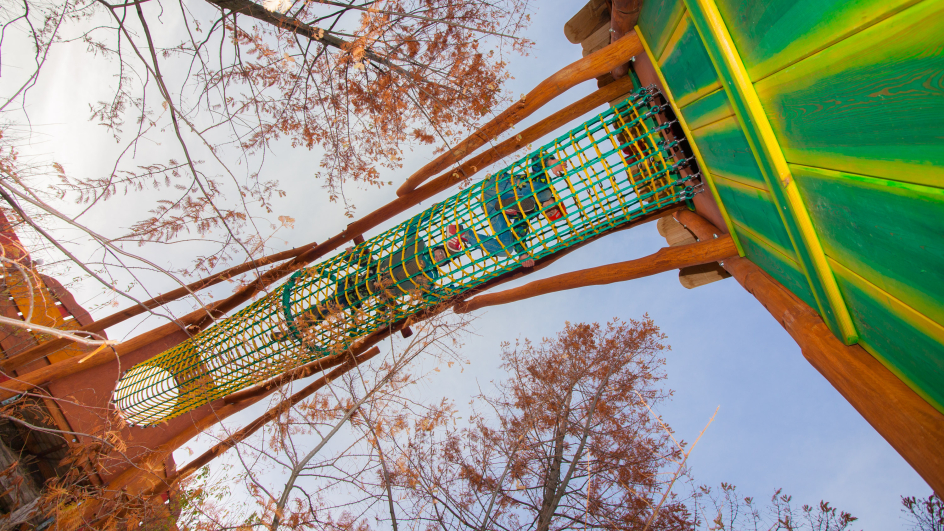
(589, 67)
(665, 259)
(912, 426)
(11, 364)
(254, 426)
(197, 320)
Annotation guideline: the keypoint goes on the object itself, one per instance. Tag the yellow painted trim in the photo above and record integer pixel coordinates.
(771, 247)
(771, 150)
(906, 313)
(744, 182)
(691, 142)
(674, 38)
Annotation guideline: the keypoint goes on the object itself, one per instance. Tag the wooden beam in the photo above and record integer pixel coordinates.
(196, 320)
(665, 259)
(623, 19)
(912, 426)
(589, 67)
(590, 18)
(48, 347)
(772, 162)
(232, 405)
(254, 426)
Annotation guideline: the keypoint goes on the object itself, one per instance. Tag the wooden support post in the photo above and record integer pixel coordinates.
(589, 19)
(589, 67)
(233, 404)
(913, 427)
(623, 19)
(665, 259)
(406, 331)
(10, 364)
(261, 421)
(196, 320)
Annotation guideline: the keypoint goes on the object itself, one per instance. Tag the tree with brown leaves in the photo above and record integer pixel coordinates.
(566, 442)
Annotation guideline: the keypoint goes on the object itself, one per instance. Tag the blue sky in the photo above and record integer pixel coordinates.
(780, 424)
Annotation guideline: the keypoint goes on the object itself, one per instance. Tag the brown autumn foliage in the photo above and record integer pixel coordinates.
(565, 442)
(222, 86)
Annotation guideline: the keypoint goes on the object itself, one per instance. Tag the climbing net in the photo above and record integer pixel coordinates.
(611, 170)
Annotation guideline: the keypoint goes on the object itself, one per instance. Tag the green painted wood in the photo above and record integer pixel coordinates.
(872, 104)
(658, 20)
(707, 109)
(769, 159)
(889, 233)
(776, 264)
(773, 34)
(686, 66)
(752, 208)
(910, 348)
(726, 151)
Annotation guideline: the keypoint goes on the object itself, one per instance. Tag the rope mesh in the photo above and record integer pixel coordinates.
(617, 167)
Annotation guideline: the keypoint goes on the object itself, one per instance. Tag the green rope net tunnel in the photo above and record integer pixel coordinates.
(617, 167)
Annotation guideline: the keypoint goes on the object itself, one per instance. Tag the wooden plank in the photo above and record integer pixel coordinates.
(665, 259)
(657, 22)
(673, 232)
(904, 340)
(589, 67)
(752, 207)
(770, 158)
(777, 263)
(667, 91)
(887, 232)
(701, 275)
(871, 104)
(913, 427)
(727, 151)
(692, 276)
(686, 66)
(592, 16)
(771, 35)
(597, 41)
(708, 109)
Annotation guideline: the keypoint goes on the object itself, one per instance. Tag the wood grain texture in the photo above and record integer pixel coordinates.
(598, 40)
(871, 104)
(665, 259)
(590, 18)
(906, 341)
(726, 151)
(686, 65)
(887, 232)
(657, 21)
(589, 67)
(770, 159)
(708, 109)
(913, 427)
(752, 207)
(773, 34)
(709, 205)
(777, 262)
